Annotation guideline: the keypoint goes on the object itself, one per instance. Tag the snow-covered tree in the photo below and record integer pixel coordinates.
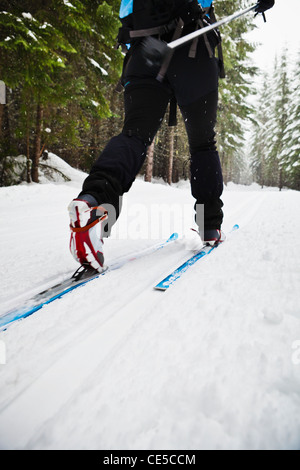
(276, 134)
(57, 54)
(234, 109)
(279, 154)
(291, 155)
(261, 142)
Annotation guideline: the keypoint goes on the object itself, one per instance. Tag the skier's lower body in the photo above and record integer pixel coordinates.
(194, 83)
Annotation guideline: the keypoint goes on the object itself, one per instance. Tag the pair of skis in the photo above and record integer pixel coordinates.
(85, 275)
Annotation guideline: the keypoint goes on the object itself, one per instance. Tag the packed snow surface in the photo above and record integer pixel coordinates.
(213, 363)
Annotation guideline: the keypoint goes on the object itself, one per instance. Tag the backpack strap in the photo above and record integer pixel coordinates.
(193, 48)
(157, 30)
(162, 73)
(219, 46)
(177, 33)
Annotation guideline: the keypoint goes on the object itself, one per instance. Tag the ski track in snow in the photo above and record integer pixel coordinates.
(208, 364)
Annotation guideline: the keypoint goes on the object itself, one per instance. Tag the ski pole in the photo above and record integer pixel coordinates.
(206, 29)
(156, 50)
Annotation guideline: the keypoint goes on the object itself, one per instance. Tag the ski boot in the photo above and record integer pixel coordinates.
(212, 237)
(86, 225)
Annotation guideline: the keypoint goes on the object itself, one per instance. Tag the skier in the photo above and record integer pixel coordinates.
(191, 76)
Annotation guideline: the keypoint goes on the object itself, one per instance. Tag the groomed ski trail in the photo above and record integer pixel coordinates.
(203, 359)
(70, 371)
(82, 351)
(112, 294)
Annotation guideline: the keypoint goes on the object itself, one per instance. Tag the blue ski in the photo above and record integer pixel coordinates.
(178, 272)
(78, 279)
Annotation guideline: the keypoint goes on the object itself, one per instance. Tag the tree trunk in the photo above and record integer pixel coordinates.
(171, 155)
(37, 146)
(2, 103)
(149, 167)
(262, 170)
(224, 168)
(28, 166)
(1, 114)
(280, 185)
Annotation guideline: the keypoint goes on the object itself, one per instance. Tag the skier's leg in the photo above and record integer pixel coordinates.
(114, 172)
(206, 171)
(195, 83)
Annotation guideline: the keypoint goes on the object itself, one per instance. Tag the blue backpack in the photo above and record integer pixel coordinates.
(126, 7)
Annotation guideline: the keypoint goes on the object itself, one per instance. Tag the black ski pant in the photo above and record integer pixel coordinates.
(194, 82)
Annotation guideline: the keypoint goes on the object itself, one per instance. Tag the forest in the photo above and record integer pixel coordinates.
(59, 71)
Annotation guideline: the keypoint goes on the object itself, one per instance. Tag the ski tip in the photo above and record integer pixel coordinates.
(174, 236)
(235, 227)
(160, 288)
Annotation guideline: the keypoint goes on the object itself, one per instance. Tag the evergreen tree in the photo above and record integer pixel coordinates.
(57, 55)
(261, 141)
(279, 155)
(275, 142)
(61, 68)
(291, 157)
(234, 89)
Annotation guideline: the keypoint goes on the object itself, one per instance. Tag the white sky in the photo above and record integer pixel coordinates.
(281, 30)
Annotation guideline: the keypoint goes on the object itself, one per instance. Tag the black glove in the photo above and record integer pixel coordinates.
(154, 51)
(264, 5)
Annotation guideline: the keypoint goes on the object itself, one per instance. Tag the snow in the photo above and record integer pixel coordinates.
(68, 4)
(54, 161)
(214, 363)
(95, 64)
(32, 35)
(27, 16)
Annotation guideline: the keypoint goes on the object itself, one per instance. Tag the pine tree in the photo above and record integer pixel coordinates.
(291, 157)
(61, 66)
(261, 141)
(275, 142)
(58, 54)
(279, 154)
(233, 107)
(30, 50)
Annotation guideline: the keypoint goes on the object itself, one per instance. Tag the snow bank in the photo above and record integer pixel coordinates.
(51, 169)
(61, 170)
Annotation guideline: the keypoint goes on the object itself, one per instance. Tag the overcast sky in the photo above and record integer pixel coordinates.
(282, 29)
